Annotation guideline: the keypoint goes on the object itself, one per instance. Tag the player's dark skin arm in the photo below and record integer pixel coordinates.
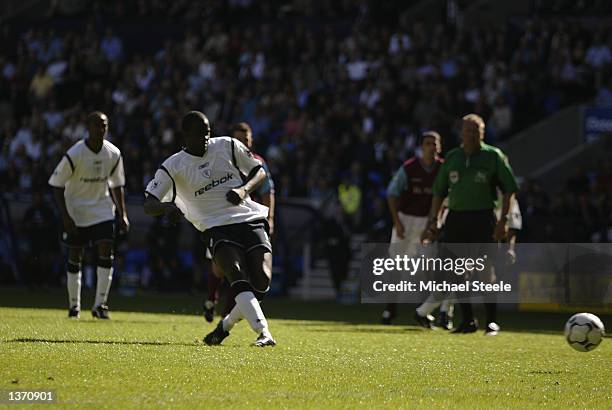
(154, 207)
(119, 198)
(269, 201)
(69, 225)
(255, 177)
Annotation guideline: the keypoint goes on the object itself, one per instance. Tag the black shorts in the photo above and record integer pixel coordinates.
(469, 227)
(90, 235)
(245, 235)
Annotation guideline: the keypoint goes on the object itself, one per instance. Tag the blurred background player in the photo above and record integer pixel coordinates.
(409, 199)
(423, 314)
(203, 182)
(263, 195)
(470, 177)
(81, 183)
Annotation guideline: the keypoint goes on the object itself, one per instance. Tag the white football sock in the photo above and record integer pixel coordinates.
(105, 276)
(73, 283)
(232, 318)
(250, 309)
(428, 306)
(448, 307)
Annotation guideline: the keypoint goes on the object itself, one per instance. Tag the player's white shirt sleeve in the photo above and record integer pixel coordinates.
(117, 176)
(245, 160)
(161, 186)
(62, 173)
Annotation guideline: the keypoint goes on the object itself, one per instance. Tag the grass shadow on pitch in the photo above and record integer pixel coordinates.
(389, 330)
(105, 342)
(308, 313)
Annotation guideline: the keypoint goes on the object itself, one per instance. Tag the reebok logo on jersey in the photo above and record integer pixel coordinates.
(96, 179)
(214, 183)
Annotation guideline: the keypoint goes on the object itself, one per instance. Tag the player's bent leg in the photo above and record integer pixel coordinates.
(232, 261)
(259, 268)
(422, 314)
(105, 277)
(229, 259)
(73, 281)
(259, 261)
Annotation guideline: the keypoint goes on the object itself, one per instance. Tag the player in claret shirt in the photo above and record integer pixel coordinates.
(203, 182)
(409, 197)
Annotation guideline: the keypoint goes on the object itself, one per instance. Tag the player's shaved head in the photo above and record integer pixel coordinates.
(196, 130)
(195, 123)
(97, 124)
(95, 117)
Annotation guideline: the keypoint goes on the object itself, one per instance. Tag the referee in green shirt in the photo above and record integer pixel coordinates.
(470, 177)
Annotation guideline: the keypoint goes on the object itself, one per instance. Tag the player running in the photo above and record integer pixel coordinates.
(203, 182)
(263, 195)
(81, 183)
(409, 198)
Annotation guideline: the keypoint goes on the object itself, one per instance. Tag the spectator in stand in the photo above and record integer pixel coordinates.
(298, 87)
(111, 46)
(42, 83)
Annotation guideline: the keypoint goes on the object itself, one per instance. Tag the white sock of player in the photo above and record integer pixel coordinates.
(430, 304)
(249, 306)
(73, 283)
(232, 318)
(448, 307)
(105, 276)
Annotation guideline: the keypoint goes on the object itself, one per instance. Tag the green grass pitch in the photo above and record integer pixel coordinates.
(328, 356)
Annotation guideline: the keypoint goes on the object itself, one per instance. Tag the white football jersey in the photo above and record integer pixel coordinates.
(86, 177)
(199, 185)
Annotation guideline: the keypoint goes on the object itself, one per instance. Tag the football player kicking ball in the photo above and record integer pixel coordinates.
(81, 182)
(203, 183)
(263, 195)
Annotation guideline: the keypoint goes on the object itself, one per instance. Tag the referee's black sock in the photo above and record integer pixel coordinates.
(466, 311)
(491, 310)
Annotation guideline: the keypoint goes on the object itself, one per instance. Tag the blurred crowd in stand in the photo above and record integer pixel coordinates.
(336, 94)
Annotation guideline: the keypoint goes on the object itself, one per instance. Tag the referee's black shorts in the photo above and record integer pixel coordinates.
(470, 227)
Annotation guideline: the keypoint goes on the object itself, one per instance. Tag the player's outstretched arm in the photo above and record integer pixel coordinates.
(255, 177)
(154, 207)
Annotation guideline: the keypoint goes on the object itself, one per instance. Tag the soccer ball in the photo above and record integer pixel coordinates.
(584, 331)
